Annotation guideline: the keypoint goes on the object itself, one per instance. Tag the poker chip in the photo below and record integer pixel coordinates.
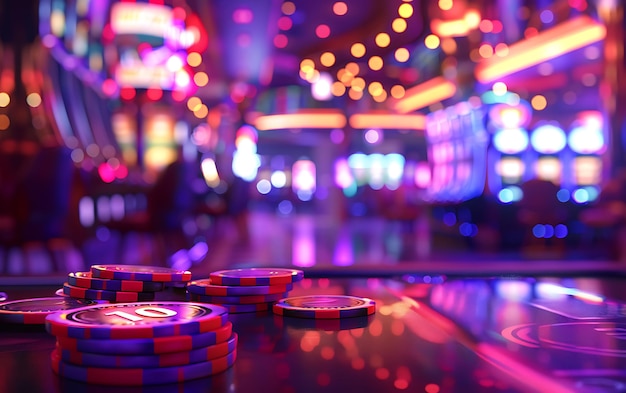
(251, 299)
(137, 320)
(34, 311)
(140, 273)
(99, 294)
(325, 306)
(148, 346)
(140, 376)
(207, 288)
(247, 308)
(86, 280)
(59, 292)
(256, 276)
(150, 361)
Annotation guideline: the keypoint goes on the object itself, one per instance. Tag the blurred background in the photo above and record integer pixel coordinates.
(204, 134)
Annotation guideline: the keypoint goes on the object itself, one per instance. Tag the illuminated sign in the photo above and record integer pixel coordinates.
(139, 75)
(141, 18)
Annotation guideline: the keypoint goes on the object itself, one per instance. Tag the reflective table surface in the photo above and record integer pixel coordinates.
(430, 333)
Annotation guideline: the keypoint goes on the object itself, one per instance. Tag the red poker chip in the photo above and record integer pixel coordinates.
(112, 296)
(325, 306)
(256, 276)
(147, 346)
(140, 273)
(86, 280)
(251, 299)
(137, 320)
(140, 376)
(34, 311)
(206, 287)
(169, 359)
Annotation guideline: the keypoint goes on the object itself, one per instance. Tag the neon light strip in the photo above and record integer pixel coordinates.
(388, 121)
(427, 93)
(590, 297)
(557, 41)
(457, 27)
(324, 118)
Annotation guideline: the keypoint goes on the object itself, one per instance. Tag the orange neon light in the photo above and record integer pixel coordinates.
(427, 93)
(311, 118)
(388, 121)
(557, 41)
(456, 27)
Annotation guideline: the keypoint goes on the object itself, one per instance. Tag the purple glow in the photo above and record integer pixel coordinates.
(243, 16)
(107, 174)
(303, 246)
(303, 175)
(422, 175)
(343, 175)
(344, 254)
(337, 136)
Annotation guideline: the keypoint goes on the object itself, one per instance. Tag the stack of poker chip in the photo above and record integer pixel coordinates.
(327, 312)
(142, 343)
(121, 283)
(35, 310)
(244, 290)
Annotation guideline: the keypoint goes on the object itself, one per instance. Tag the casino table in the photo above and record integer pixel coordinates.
(537, 328)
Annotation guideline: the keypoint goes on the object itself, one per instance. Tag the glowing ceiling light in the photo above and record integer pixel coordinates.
(311, 118)
(375, 63)
(353, 68)
(321, 89)
(549, 44)
(402, 55)
(382, 40)
(201, 79)
(327, 59)
(432, 41)
(388, 121)
(194, 59)
(375, 88)
(357, 50)
(397, 91)
(340, 8)
(539, 102)
(456, 27)
(399, 25)
(427, 93)
(194, 103)
(405, 10)
(358, 84)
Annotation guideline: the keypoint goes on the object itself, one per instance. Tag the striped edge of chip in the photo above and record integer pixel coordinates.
(140, 376)
(34, 311)
(251, 299)
(330, 325)
(86, 280)
(170, 359)
(140, 273)
(147, 346)
(206, 287)
(256, 276)
(325, 306)
(100, 294)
